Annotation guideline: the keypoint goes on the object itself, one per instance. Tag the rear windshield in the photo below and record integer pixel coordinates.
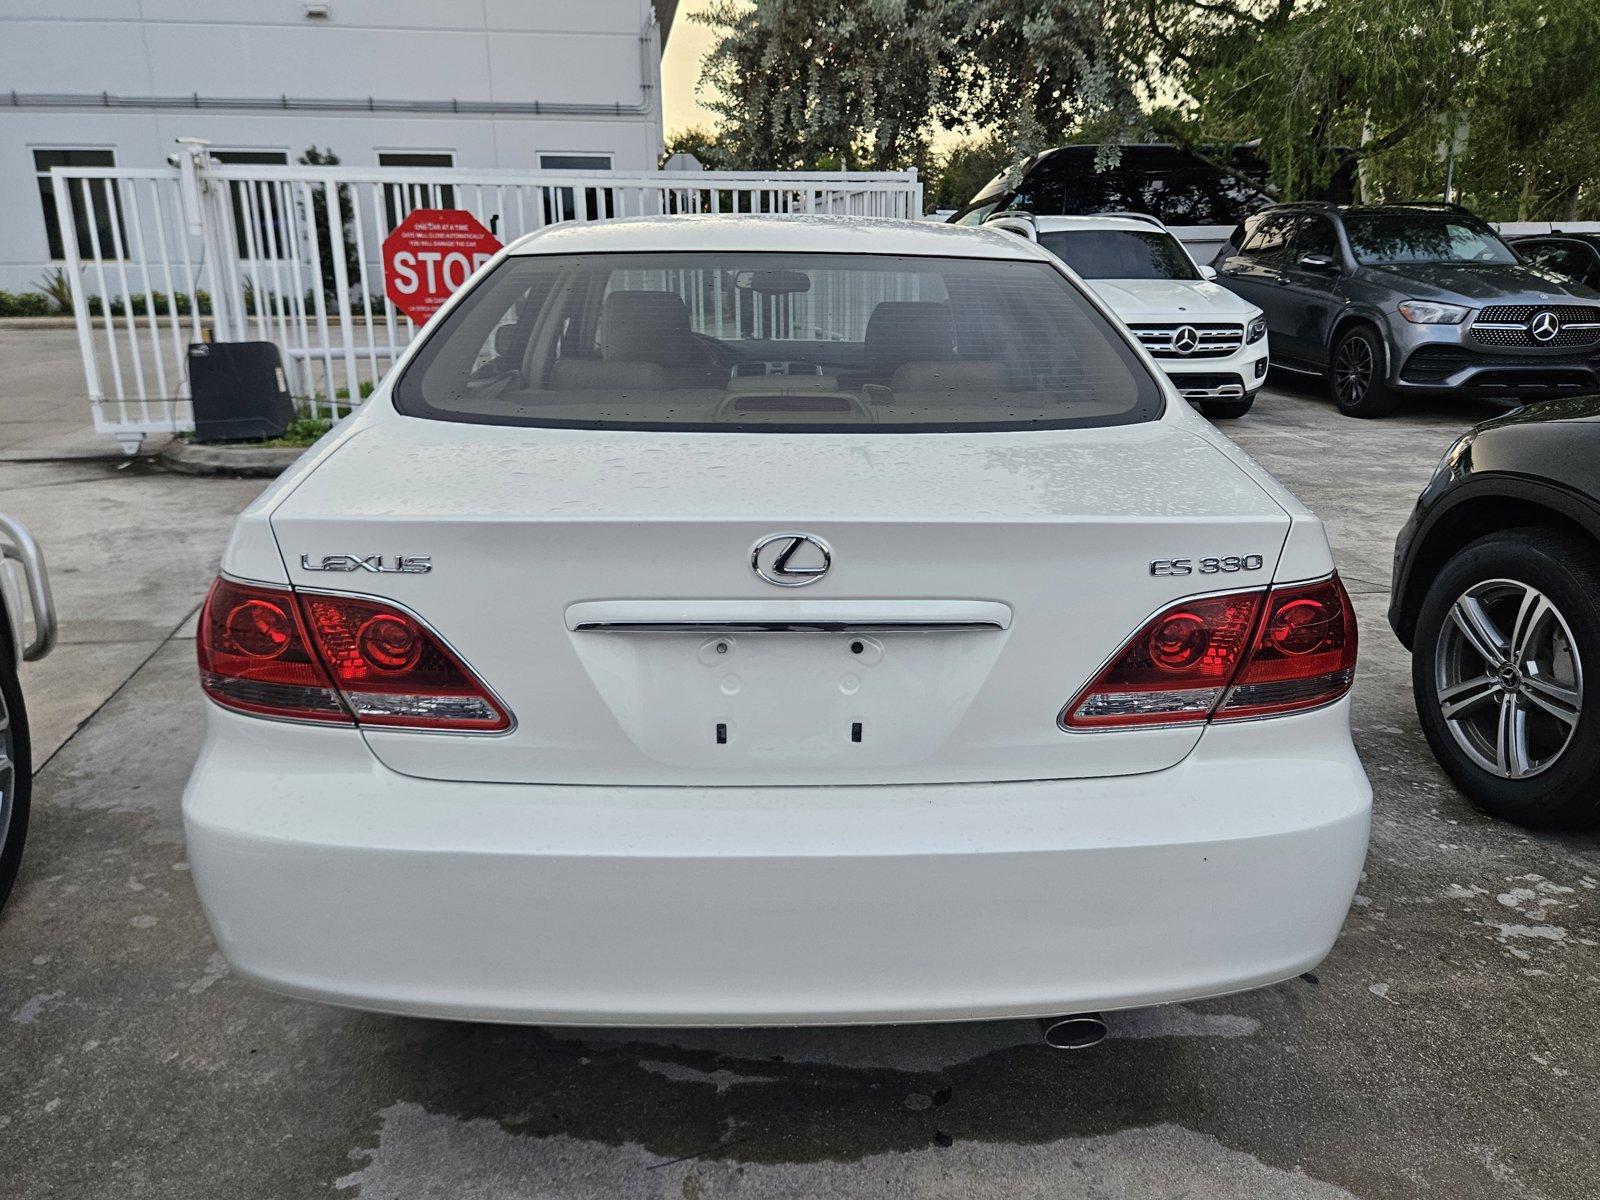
(1423, 237)
(1120, 253)
(781, 342)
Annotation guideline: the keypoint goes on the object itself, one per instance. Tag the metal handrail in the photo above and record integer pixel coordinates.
(22, 549)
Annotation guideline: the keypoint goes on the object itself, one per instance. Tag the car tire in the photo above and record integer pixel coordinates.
(1356, 374)
(16, 770)
(1522, 737)
(1226, 410)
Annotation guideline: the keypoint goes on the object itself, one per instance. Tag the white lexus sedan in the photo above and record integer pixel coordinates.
(741, 621)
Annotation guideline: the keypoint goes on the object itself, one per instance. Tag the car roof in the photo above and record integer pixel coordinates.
(795, 233)
(1581, 235)
(1130, 224)
(1342, 210)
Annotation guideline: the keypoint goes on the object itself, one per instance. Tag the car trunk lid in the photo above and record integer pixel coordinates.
(602, 585)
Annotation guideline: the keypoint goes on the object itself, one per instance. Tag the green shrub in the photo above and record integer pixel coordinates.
(24, 304)
(304, 430)
(140, 307)
(58, 289)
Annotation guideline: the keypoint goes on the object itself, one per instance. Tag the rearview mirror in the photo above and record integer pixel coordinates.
(1208, 272)
(1318, 262)
(772, 282)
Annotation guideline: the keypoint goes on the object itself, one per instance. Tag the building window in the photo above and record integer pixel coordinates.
(561, 204)
(102, 195)
(400, 198)
(251, 158)
(271, 234)
(575, 162)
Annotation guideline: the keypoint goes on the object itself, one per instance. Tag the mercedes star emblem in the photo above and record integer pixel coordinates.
(1543, 326)
(1185, 339)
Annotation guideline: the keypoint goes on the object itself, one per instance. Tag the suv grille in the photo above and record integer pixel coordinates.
(1210, 341)
(1518, 314)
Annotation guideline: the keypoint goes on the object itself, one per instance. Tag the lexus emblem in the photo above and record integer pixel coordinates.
(1543, 326)
(1185, 339)
(791, 559)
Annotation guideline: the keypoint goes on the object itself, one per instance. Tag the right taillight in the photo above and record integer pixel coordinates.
(1303, 656)
(1227, 657)
(311, 657)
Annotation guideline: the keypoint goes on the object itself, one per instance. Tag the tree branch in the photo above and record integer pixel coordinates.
(1217, 8)
(1153, 23)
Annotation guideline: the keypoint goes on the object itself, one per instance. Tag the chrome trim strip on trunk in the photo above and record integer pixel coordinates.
(785, 616)
(785, 627)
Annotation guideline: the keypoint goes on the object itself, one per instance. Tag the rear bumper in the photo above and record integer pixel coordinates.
(327, 876)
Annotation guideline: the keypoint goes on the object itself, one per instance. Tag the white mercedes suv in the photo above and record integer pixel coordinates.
(1212, 343)
(739, 620)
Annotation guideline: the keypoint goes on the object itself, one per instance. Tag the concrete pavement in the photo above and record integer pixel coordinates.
(44, 409)
(1447, 1048)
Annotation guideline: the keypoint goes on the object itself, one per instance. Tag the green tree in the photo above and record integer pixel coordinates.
(313, 157)
(824, 83)
(1321, 86)
(1378, 83)
(1041, 71)
(1533, 146)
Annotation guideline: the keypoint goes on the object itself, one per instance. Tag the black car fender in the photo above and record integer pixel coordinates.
(1480, 505)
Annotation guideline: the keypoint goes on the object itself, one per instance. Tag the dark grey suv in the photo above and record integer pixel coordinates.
(1404, 299)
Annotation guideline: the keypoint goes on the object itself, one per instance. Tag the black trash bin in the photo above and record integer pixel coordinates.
(240, 391)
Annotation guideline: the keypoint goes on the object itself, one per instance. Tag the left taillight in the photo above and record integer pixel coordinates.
(255, 656)
(1227, 657)
(338, 659)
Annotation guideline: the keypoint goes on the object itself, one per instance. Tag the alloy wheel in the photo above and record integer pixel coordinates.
(1509, 678)
(1352, 371)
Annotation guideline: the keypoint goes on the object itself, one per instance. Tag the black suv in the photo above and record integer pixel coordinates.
(1176, 186)
(1574, 256)
(1400, 299)
(1497, 595)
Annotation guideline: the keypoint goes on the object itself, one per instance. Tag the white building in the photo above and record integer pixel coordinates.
(528, 84)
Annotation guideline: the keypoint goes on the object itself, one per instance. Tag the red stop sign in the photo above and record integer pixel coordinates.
(430, 254)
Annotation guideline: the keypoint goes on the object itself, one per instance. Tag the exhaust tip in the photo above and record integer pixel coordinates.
(1079, 1031)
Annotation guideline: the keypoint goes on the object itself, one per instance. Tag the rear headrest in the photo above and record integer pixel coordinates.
(902, 331)
(650, 327)
(594, 375)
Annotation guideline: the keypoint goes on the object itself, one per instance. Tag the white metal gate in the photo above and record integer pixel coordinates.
(292, 255)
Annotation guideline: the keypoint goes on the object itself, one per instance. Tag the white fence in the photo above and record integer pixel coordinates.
(291, 255)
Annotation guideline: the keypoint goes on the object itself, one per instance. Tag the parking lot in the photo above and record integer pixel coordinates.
(1446, 1048)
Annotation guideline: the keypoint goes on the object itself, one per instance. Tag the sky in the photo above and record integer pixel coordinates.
(680, 70)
